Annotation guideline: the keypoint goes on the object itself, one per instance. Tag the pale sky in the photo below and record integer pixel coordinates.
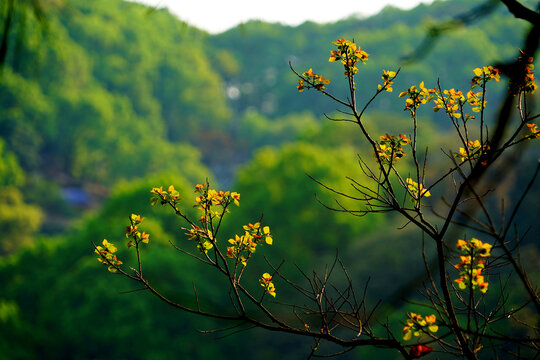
(216, 16)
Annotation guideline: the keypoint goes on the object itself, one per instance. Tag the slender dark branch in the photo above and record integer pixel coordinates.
(521, 12)
(520, 201)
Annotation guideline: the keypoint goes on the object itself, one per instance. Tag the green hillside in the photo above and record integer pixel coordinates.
(264, 50)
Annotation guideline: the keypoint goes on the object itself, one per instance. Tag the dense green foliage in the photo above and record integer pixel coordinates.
(111, 99)
(102, 109)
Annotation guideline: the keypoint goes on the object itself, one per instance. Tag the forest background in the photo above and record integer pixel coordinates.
(101, 101)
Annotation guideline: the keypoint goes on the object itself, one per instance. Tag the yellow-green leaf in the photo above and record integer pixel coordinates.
(407, 335)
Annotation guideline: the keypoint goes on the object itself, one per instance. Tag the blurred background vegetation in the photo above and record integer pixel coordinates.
(102, 100)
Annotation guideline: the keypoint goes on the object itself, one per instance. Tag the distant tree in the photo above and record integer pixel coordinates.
(19, 221)
(13, 15)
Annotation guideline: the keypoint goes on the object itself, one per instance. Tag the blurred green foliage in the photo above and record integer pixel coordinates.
(276, 186)
(18, 221)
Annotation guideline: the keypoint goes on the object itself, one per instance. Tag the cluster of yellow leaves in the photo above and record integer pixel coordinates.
(480, 78)
(416, 191)
(210, 197)
(133, 233)
(106, 255)
(472, 264)
(388, 80)
(474, 151)
(242, 247)
(390, 148)
(267, 284)
(451, 101)
(106, 252)
(204, 238)
(417, 96)
(527, 84)
(349, 54)
(312, 80)
(485, 73)
(171, 195)
(535, 132)
(207, 200)
(418, 325)
(475, 100)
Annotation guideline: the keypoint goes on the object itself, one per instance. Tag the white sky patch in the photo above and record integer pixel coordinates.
(216, 16)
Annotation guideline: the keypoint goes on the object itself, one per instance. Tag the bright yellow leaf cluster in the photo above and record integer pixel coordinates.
(171, 195)
(416, 191)
(390, 148)
(451, 101)
(133, 233)
(349, 54)
(417, 96)
(527, 84)
(535, 132)
(486, 73)
(207, 200)
(475, 100)
(472, 264)
(242, 247)
(311, 80)
(210, 197)
(388, 80)
(106, 255)
(417, 325)
(204, 238)
(474, 151)
(267, 284)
